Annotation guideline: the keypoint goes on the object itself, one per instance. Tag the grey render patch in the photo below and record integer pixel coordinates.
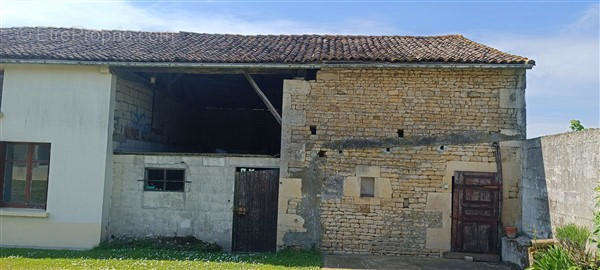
(309, 208)
(449, 139)
(333, 187)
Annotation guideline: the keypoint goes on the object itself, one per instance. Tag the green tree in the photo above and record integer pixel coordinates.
(576, 125)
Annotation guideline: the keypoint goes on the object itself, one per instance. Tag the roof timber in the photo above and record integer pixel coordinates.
(263, 97)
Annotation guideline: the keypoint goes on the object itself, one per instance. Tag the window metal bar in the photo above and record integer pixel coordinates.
(29, 173)
(164, 179)
(2, 162)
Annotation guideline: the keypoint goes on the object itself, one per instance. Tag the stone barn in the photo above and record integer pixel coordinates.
(349, 144)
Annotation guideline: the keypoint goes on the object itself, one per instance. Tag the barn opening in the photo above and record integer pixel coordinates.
(199, 112)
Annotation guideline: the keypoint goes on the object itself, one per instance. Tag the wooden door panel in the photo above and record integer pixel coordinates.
(475, 212)
(475, 195)
(485, 232)
(255, 210)
(470, 243)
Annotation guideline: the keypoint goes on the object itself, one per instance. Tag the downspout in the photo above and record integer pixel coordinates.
(498, 156)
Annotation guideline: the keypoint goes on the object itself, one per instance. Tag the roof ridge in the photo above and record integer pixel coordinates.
(316, 35)
(228, 34)
(84, 29)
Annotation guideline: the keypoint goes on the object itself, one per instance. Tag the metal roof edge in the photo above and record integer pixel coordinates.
(269, 65)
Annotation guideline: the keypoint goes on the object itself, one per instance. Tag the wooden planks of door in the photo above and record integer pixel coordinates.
(476, 198)
(255, 210)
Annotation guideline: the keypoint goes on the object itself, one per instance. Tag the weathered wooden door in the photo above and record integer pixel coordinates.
(475, 212)
(255, 210)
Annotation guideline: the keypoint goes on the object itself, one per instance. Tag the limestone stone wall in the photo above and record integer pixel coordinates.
(408, 129)
(203, 210)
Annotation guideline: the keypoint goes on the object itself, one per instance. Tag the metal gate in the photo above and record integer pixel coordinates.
(475, 212)
(255, 210)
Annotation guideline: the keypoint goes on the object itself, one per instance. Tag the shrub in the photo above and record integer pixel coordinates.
(553, 258)
(575, 125)
(596, 233)
(570, 253)
(573, 236)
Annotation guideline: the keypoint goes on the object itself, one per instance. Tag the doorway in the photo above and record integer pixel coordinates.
(476, 200)
(255, 210)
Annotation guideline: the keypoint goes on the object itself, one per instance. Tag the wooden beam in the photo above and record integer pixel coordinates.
(263, 97)
(209, 71)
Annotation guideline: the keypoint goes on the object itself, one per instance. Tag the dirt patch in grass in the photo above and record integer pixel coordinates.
(171, 243)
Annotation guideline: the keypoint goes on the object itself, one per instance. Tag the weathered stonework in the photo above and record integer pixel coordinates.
(448, 118)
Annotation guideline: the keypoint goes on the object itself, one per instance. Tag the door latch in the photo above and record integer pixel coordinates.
(240, 211)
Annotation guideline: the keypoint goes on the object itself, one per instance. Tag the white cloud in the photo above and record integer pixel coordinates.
(587, 22)
(123, 15)
(561, 61)
(565, 82)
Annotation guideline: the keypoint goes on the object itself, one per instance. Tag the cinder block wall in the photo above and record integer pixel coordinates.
(357, 114)
(203, 210)
(143, 122)
(560, 173)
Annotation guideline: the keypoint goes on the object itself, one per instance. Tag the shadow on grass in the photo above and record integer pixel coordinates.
(152, 250)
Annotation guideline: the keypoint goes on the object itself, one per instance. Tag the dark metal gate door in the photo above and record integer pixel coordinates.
(475, 212)
(255, 210)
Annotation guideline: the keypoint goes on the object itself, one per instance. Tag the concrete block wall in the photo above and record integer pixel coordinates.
(143, 122)
(203, 210)
(357, 114)
(560, 173)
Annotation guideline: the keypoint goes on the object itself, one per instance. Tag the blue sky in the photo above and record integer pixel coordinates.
(562, 36)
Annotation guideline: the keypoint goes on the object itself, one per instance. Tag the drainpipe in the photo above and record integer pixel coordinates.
(498, 157)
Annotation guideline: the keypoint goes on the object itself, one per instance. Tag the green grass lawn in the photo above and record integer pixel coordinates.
(152, 257)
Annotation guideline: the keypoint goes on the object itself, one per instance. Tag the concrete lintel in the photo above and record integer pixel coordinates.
(368, 171)
(215, 162)
(329, 75)
(299, 87)
(515, 144)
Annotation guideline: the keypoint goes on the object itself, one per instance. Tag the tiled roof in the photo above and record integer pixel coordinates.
(186, 47)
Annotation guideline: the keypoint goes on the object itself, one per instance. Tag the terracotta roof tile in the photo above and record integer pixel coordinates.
(132, 46)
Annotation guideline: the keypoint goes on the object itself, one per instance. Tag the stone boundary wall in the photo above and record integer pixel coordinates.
(203, 210)
(560, 173)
